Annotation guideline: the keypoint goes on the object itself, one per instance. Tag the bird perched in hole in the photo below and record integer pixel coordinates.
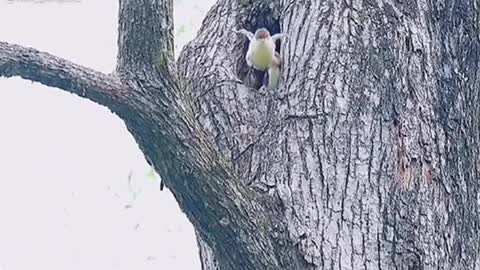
(261, 54)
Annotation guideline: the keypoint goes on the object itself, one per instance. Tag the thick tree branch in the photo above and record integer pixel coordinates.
(145, 38)
(47, 69)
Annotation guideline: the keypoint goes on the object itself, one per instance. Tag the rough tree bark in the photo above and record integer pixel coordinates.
(366, 157)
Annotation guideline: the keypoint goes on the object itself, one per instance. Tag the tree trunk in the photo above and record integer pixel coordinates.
(366, 157)
(371, 143)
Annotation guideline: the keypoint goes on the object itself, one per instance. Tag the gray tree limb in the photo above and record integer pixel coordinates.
(42, 67)
(145, 35)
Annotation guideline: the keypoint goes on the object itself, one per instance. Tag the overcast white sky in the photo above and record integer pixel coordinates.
(66, 201)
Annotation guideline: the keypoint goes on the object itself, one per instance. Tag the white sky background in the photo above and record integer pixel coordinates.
(65, 197)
